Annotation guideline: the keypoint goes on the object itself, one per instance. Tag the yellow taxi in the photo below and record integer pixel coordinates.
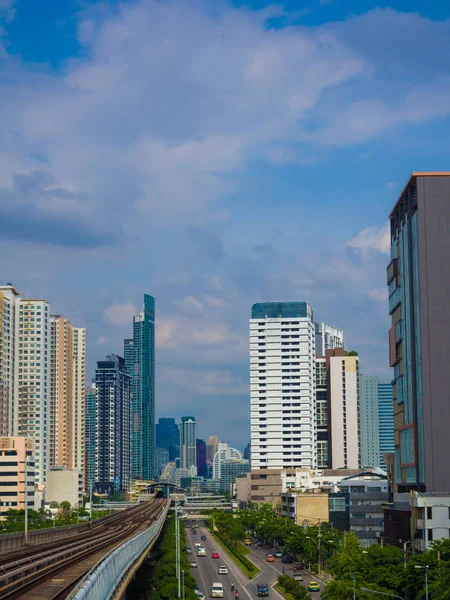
(313, 586)
(247, 542)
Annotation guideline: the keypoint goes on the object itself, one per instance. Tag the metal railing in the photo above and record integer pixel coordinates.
(103, 579)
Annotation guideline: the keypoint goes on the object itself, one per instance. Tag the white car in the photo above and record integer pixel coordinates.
(197, 544)
(223, 570)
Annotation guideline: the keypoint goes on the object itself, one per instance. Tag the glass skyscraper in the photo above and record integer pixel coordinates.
(377, 420)
(140, 365)
(168, 436)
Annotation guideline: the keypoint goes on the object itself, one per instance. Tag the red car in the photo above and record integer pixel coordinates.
(299, 566)
(270, 558)
(215, 555)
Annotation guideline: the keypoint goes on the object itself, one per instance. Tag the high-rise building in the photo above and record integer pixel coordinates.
(140, 365)
(224, 452)
(328, 337)
(188, 438)
(32, 386)
(90, 436)
(282, 386)
(248, 452)
(322, 409)
(344, 409)
(418, 278)
(161, 460)
(9, 303)
(67, 393)
(211, 448)
(201, 458)
(168, 436)
(377, 420)
(112, 446)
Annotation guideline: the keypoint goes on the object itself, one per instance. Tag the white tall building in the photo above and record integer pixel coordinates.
(224, 452)
(344, 418)
(9, 309)
(282, 386)
(328, 337)
(188, 442)
(32, 381)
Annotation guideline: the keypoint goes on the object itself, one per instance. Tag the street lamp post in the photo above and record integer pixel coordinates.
(363, 589)
(308, 537)
(182, 572)
(353, 576)
(426, 567)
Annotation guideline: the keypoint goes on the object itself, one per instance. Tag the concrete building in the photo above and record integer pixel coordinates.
(305, 508)
(90, 436)
(302, 480)
(67, 393)
(31, 414)
(15, 453)
(282, 386)
(112, 444)
(377, 420)
(139, 354)
(9, 319)
(322, 410)
(418, 278)
(344, 407)
(431, 518)
(65, 485)
(243, 489)
(367, 494)
(230, 471)
(211, 448)
(265, 486)
(328, 337)
(188, 439)
(224, 452)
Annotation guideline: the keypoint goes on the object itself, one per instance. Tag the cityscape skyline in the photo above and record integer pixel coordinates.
(227, 200)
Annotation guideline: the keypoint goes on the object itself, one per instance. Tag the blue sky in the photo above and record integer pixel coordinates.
(214, 154)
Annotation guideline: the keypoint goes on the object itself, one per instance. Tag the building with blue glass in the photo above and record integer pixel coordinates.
(168, 436)
(140, 365)
(90, 436)
(418, 277)
(377, 420)
(112, 425)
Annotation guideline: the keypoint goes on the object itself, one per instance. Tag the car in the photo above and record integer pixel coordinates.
(286, 559)
(189, 550)
(203, 537)
(298, 577)
(193, 564)
(262, 589)
(270, 558)
(200, 595)
(278, 554)
(187, 525)
(259, 543)
(247, 542)
(215, 555)
(299, 567)
(217, 590)
(197, 544)
(201, 552)
(223, 570)
(313, 586)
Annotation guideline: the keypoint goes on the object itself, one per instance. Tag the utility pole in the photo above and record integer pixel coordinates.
(318, 549)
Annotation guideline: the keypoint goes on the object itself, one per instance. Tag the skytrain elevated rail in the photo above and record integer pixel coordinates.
(49, 572)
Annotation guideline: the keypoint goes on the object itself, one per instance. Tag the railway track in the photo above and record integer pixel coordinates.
(30, 573)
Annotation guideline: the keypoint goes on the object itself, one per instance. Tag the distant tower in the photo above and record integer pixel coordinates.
(188, 430)
(211, 448)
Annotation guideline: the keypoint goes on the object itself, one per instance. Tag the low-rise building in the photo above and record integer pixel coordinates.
(367, 493)
(243, 490)
(305, 508)
(65, 485)
(431, 518)
(265, 486)
(17, 474)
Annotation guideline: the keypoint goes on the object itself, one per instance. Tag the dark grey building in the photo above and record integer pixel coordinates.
(112, 425)
(418, 277)
(168, 436)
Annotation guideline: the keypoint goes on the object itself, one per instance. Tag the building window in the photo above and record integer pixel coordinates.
(430, 535)
(429, 513)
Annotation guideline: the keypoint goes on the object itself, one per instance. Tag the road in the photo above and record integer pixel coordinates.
(207, 571)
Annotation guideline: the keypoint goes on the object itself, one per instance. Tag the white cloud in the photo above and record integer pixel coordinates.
(102, 340)
(372, 238)
(378, 294)
(190, 302)
(121, 314)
